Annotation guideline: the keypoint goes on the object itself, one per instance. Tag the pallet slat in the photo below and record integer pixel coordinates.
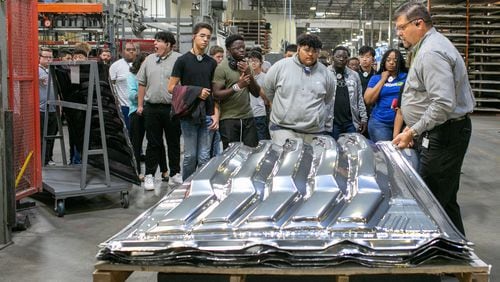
(476, 268)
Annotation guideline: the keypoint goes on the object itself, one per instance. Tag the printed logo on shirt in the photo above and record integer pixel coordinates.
(398, 84)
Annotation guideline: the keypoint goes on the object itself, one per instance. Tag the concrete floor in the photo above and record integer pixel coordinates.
(62, 249)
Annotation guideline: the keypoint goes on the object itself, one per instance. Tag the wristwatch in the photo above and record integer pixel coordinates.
(413, 133)
(236, 87)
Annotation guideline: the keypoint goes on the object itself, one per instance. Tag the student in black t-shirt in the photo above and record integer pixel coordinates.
(366, 71)
(195, 68)
(349, 114)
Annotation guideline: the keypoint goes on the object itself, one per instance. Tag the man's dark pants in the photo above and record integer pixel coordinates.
(158, 121)
(238, 130)
(441, 162)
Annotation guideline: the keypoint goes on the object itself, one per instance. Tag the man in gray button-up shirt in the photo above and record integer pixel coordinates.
(154, 103)
(435, 104)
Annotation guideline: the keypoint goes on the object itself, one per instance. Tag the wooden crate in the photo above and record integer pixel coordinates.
(477, 271)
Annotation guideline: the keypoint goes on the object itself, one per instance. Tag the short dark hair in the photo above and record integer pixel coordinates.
(366, 49)
(400, 62)
(352, 59)
(256, 55)
(63, 52)
(311, 40)
(165, 36)
(136, 64)
(291, 48)
(80, 51)
(104, 50)
(215, 49)
(413, 11)
(257, 49)
(231, 38)
(342, 48)
(44, 49)
(197, 27)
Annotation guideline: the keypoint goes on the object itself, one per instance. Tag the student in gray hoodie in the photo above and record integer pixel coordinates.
(302, 92)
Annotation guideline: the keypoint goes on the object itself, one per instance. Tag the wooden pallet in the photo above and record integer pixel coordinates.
(477, 271)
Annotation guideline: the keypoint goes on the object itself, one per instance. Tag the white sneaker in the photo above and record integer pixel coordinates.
(175, 180)
(149, 182)
(52, 163)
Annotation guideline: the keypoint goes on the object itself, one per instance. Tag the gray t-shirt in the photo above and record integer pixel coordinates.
(257, 104)
(155, 74)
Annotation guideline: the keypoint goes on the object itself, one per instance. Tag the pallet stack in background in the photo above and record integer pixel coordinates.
(475, 30)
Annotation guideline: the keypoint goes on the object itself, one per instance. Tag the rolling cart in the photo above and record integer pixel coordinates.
(80, 180)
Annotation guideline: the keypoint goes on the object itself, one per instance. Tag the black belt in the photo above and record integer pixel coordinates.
(459, 118)
(453, 121)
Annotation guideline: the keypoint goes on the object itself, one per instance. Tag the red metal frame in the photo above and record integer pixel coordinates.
(22, 57)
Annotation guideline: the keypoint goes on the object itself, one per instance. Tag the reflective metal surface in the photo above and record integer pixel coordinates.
(301, 204)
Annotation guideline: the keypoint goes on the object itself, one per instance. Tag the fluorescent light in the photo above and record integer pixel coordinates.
(313, 8)
(313, 29)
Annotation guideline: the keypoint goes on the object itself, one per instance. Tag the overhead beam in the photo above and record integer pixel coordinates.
(325, 23)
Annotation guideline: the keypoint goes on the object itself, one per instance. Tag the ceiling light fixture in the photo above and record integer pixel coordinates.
(320, 14)
(313, 8)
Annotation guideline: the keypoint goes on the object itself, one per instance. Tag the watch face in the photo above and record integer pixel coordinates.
(365, 74)
(390, 79)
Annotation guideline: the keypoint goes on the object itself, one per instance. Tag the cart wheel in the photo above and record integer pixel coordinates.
(60, 208)
(125, 200)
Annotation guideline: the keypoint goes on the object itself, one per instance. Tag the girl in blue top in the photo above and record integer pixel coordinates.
(382, 89)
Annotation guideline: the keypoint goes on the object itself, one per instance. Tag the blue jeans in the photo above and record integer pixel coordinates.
(347, 127)
(380, 131)
(216, 146)
(197, 145)
(126, 119)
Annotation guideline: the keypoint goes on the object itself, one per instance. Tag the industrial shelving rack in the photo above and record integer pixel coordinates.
(257, 31)
(475, 30)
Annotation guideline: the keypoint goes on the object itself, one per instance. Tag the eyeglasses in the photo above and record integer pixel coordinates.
(47, 57)
(252, 61)
(130, 49)
(403, 26)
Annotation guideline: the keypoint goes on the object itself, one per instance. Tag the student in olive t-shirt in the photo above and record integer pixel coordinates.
(233, 82)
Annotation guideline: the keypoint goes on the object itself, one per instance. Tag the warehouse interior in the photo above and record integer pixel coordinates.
(46, 235)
